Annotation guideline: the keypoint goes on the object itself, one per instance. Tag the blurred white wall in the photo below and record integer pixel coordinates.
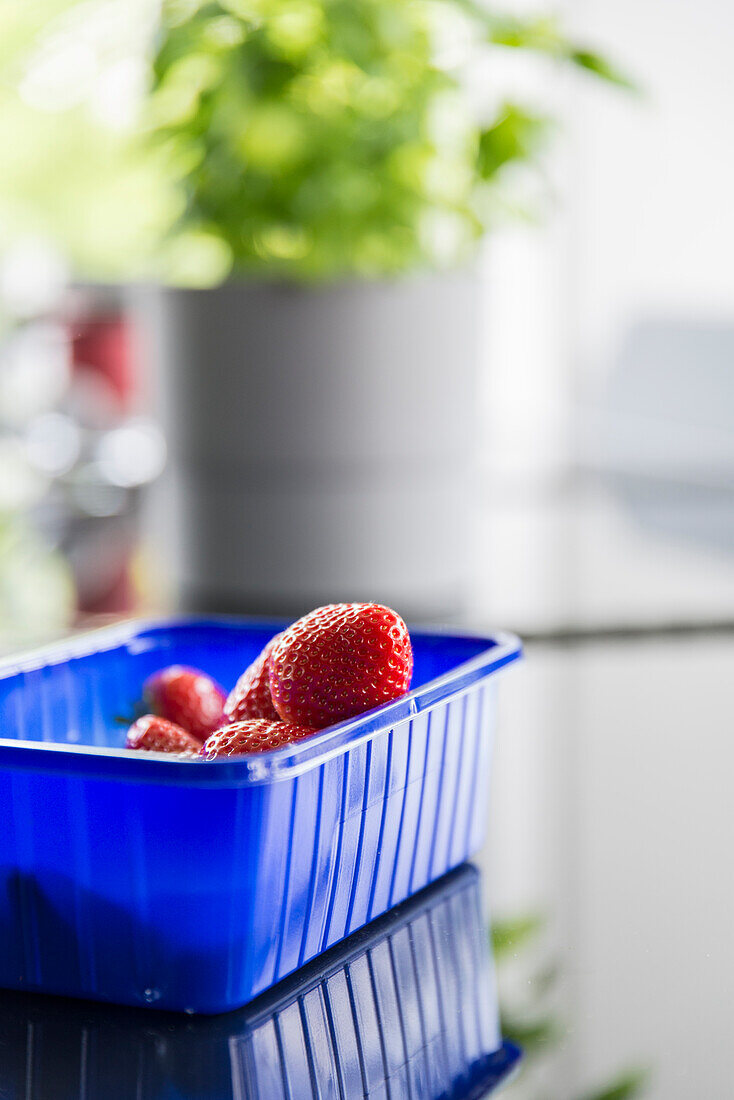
(650, 215)
(641, 224)
(609, 339)
(609, 807)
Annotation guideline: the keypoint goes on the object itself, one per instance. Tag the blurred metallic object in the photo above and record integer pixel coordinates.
(53, 443)
(75, 451)
(99, 499)
(37, 597)
(321, 441)
(35, 371)
(132, 454)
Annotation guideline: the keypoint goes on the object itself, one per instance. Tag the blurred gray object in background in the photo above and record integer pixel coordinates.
(666, 429)
(668, 410)
(321, 442)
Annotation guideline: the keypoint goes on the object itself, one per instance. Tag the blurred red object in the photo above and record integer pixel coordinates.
(104, 379)
(101, 345)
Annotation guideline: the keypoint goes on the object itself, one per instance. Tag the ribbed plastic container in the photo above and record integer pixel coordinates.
(190, 885)
(405, 1009)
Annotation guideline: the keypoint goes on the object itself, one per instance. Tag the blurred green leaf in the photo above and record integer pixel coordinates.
(532, 1035)
(515, 136)
(37, 594)
(542, 34)
(539, 1033)
(287, 138)
(509, 936)
(627, 1086)
(595, 63)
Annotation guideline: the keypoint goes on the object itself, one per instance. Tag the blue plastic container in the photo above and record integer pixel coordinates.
(189, 885)
(404, 1009)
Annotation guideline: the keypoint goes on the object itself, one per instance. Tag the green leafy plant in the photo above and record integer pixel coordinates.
(317, 139)
(532, 1026)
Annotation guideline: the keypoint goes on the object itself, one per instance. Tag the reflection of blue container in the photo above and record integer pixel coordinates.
(142, 879)
(403, 1008)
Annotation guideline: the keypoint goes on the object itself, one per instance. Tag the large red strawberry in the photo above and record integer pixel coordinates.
(338, 661)
(255, 735)
(153, 734)
(250, 697)
(187, 697)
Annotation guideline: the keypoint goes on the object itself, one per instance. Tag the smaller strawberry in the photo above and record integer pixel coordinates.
(255, 735)
(153, 734)
(250, 697)
(187, 697)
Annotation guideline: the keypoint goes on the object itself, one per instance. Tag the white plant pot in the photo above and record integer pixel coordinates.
(321, 441)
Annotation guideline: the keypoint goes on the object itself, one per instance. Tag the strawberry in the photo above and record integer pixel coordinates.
(153, 734)
(187, 697)
(250, 697)
(254, 735)
(338, 661)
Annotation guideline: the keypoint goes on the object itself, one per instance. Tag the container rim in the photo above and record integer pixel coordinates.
(502, 648)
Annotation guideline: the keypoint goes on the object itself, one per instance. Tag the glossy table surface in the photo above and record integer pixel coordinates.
(611, 817)
(405, 1008)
